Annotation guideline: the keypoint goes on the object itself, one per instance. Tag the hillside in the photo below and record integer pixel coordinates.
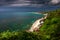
(51, 27)
(49, 31)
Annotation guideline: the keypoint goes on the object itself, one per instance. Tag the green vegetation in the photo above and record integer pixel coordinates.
(19, 36)
(51, 26)
(49, 31)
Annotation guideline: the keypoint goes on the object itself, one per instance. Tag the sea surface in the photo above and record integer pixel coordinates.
(17, 21)
(21, 18)
(28, 8)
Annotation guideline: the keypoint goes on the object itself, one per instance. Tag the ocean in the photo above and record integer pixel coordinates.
(18, 21)
(21, 18)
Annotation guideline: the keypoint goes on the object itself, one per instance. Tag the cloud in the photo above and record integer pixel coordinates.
(28, 2)
(15, 2)
(19, 4)
(55, 1)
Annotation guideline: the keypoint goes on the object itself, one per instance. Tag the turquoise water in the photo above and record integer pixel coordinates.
(21, 18)
(15, 21)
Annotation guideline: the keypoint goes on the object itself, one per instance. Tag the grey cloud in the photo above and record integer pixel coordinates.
(28, 2)
(55, 1)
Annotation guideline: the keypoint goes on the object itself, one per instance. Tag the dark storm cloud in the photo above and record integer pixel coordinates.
(45, 1)
(17, 2)
(28, 2)
(40, 1)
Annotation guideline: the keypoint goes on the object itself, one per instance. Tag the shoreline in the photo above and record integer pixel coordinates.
(38, 23)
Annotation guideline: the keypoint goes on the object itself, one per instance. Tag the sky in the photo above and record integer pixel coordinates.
(36, 4)
(28, 2)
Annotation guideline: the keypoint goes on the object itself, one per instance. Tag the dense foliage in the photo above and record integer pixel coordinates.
(49, 31)
(51, 26)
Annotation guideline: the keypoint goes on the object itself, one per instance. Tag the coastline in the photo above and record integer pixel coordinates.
(38, 23)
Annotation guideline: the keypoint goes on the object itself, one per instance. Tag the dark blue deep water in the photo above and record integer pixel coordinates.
(28, 8)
